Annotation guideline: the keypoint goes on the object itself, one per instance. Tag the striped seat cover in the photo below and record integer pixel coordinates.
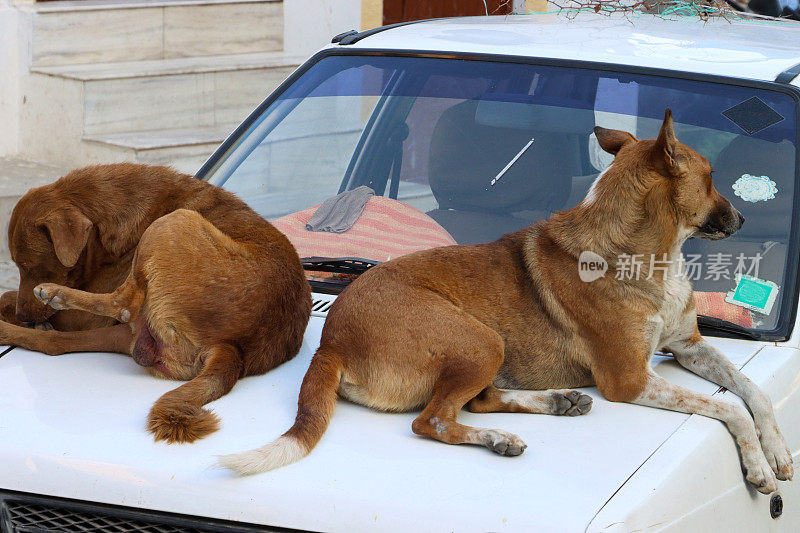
(386, 229)
(714, 304)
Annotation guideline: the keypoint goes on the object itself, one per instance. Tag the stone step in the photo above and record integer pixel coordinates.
(64, 6)
(184, 149)
(93, 101)
(80, 32)
(171, 93)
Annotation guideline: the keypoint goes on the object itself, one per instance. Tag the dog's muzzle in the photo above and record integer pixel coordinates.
(717, 228)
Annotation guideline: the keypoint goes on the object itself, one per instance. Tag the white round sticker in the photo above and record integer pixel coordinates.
(755, 188)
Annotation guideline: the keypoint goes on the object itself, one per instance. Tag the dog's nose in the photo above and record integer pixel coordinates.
(741, 220)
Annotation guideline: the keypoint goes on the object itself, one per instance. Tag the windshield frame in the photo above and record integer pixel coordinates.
(788, 299)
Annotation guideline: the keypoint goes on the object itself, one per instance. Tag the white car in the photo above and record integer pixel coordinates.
(466, 129)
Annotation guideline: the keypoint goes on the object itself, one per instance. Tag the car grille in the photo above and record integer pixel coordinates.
(321, 304)
(26, 517)
(24, 513)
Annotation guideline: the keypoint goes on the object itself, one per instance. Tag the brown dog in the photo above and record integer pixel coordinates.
(515, 314)
(200, 287)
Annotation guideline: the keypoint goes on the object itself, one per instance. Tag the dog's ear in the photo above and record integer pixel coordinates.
(69, 232)
(612, 140)
(664, 150)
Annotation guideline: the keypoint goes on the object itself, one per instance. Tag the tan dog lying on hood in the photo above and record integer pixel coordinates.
(468, 321)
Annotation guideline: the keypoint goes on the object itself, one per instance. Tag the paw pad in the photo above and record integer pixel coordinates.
(571, 403)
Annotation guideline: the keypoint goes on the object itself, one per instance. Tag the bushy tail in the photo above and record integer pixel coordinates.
(314, 409)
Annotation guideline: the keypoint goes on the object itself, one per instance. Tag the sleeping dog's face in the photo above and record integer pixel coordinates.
(46, 238)
(678, 180)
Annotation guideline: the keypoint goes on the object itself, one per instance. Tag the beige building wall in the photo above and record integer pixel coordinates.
(371, 14)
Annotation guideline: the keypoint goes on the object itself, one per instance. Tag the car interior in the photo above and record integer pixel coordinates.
(501, 153)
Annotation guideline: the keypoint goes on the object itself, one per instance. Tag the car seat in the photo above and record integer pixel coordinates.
(475, 140)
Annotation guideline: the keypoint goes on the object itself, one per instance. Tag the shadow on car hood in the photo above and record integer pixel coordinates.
(73, 426)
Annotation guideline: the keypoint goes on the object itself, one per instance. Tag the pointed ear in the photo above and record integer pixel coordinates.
(612, 140)
(69, 231)
(664, 150)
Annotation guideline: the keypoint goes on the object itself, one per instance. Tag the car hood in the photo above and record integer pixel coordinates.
(73, 426)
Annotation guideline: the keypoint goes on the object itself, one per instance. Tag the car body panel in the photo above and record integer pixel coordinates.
(73, 426)
(688, 484)
(750, 49)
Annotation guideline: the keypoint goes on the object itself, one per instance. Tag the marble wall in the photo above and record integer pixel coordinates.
(178, 101)
(141, 33)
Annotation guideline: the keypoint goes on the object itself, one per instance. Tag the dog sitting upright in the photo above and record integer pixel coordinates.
(466, 321)
(180, 274)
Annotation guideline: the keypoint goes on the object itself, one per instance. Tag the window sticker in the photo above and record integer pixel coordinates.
(753, 294)
(755, 188)
(753, 115)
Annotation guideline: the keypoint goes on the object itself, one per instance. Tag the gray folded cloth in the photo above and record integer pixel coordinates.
(338, 214)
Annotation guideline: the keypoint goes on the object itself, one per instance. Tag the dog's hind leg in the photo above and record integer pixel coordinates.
(178, 416)
(116, 338)
(123, 304)
(546, 402)
(471, 361)
(700, 357)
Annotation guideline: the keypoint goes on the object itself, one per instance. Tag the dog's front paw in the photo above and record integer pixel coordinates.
(501, 442)
(777, 454)
(762, 477)
(571, 403)
(181, 423)
(50, 294)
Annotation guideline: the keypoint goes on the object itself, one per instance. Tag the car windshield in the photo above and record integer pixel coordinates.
(463, 151)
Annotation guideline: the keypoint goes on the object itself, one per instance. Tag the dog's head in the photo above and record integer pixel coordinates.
(677, 177)
(46, 237)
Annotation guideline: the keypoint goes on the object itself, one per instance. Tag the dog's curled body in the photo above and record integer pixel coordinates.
(200, 287)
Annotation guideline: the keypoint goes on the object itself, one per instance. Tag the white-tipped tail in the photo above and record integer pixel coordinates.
(280, 452)
(314, 409)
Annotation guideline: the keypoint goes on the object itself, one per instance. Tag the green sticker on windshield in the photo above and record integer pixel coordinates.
(754, 294)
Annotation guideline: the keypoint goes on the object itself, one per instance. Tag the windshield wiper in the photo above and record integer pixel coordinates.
(338, 265)
(724, 326)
